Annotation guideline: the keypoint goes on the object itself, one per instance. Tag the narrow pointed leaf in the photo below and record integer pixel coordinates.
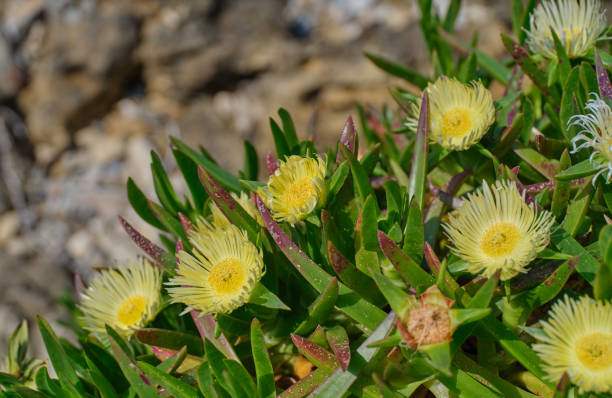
(263, 367)
(132, 372)
(561, 192)
(414, 234)
(264, 297)
(587, 265)
(339, 343)
(348, 302)
(360, 178)
(60, 361)
(397, 298)
(171, 339)
(400, 71)
(239, 373)
(605, 89)
(410, 271)
(580, 170)
(206, 325)
(347, 138)
(316, 354)
(416, 189)
(189, 168)
(174, 386)
(288, 128)
(251, 163)
(280, 142)
(140, 204)
(141, 241)
(319, 309)
(305, 386)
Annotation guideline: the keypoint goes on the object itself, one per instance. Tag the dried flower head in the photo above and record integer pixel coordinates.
(295, 189)
(596, 134)
(125, 298)
(578, 341)
(221, 273)
(577, 24)
(495, 230)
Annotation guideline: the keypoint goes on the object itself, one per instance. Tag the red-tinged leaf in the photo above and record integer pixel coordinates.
(179, 248)
(416, 187)
(605, 89)
(271, 163)
(316, 354)
(549, 168)
(347, 138)
(143, 243)
(339, 343)
(79, 285)
(349, 302)
(185, 222)
(170, 339)
(410, 271)
(228, 205)
(206, 327)
(434, 265)
(190, 361)
(306, 385)
(318, 337)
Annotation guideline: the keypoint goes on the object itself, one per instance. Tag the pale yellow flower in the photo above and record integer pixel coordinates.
(220, 275)
(459, 114)
(125, 298)
(578, 341)
(295, 189)
(577, 24)
(244, 201)
(495, 230)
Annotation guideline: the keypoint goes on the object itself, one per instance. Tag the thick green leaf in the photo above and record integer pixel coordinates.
(174, 386)
(226, 179)
(340, 381)
(251, 162)
(493, 67)
(414, 234)
(189, 168)
(577, 211)
(238, 373)
(265, 298)
(17, 348)
(410, 271)
(163, 188)
(104, 386)
(171, 339)
(587, 265)
(316, 354)
(563, 61)
(339, 343)
(400, 71)
(207, 327)
(569, 107)
(336, 181)
(399, 300)
(319, 309)
(562, 188)
(547, 167)
(60, 361)
(305, 386)
(140, 203)
(602, 288)
(263, 367)
(367, 225)
(280, 141)
(348, 302)
(288, 128)
(131, 371)
(605, 89)
(580, 170)
(360, 178)
(416, 189)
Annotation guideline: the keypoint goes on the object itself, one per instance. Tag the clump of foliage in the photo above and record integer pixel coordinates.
(459, 248)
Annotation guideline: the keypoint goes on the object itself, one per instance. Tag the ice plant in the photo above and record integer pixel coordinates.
(295, 189)
(460, 114)
(220, 274)
(247, 204)
(577, 340)
(596, 134)
(495, 229)
(577, 24)
(125, 298)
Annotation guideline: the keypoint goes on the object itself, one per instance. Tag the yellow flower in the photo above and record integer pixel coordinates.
(459, 114)
(295, 189)
(596, 134)
(221, 273)
(577, 24)
(578, 341)
(125, 298)
(495, 229)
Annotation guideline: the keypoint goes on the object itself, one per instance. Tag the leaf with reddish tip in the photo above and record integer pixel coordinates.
(316, 354)
(319, 309)
(416, 189)
(170, 339)
(348, 302)
(306, 385)
(206, 327)
(352, 277)
(340, 381)
(179, 248)
(143, 243)
(605, 89)
(228, 205)
(185, 222)
(180, 361)
(318, 337)
(410, 271)
(549, 168)
(347, 138)
(271, 163)
(339, 343)
(131, 371)
(434, 265)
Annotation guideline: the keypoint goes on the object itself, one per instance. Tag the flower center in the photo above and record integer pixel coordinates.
(456, 122)
(298, 193)
(227, 276)
(130, 310)
(594, 350)
(500, 239)
(428, 324)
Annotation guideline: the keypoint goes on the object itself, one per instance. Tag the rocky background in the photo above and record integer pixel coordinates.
(89, 87)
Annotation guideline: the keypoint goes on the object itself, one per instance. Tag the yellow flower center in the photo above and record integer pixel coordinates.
(130, 310)
(500, 239)
(227, 276)
(298, 193)
(594, 350)
(456, 122)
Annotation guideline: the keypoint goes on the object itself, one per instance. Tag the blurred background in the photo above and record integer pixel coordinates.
(89, 87)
